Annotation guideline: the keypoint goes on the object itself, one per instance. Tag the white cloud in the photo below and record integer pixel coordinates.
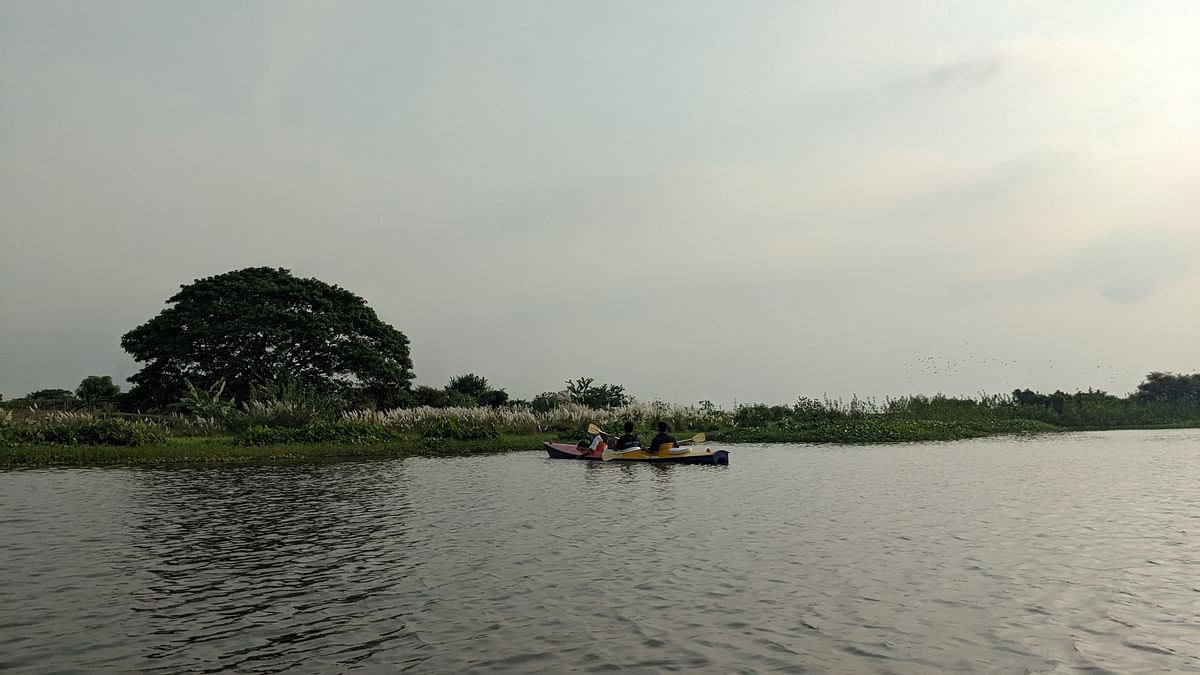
(808, 200)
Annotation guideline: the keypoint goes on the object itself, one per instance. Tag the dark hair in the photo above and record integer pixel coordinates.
(629, 427)
(662, 426)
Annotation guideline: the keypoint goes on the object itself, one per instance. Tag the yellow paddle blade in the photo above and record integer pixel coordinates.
(698, 438)
(607, 455)
(593, 429)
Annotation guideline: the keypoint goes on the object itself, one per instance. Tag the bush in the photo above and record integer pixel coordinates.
(83, 431)
(459, 430)
(759, 415)
(344, 432)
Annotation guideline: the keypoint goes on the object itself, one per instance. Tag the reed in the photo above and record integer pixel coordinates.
(567, 418)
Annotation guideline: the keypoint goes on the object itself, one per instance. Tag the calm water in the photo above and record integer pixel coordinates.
(1056, 554)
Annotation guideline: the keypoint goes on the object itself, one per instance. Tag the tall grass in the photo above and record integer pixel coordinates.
(568, 418)
(268, 423)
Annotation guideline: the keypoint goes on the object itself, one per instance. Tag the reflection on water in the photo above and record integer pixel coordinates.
(1026, 555)
(298, 547)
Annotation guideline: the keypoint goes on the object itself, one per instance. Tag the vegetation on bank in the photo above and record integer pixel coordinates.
(228, 450)
(259, 364)
(301, 427)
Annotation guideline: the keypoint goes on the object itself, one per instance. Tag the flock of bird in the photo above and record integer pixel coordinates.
(1018, 372)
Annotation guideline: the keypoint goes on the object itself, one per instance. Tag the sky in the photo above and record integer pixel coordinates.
(723, 201)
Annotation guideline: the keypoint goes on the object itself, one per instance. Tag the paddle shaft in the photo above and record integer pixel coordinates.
(611, 454)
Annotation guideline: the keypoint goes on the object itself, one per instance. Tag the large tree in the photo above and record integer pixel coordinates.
(97, 391)
(261, 326)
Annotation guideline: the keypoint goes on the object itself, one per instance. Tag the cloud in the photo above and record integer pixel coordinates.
(532, 194)
(965, 73)
(1126, 292)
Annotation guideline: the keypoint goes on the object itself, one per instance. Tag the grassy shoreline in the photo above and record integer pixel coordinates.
(208, 450)
(226, 450)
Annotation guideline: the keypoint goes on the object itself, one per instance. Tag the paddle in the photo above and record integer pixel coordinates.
(611, 454)
(592, 431)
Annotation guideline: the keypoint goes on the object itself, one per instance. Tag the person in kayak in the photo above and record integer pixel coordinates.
(594, 445)
(662, 438)
(629, 440)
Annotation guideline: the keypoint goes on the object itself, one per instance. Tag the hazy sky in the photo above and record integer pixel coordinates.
(741, 201)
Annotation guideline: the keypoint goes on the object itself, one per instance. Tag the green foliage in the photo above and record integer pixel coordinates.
(494, 398)
(852, 430)
(462, 391)
(470, 385)
(259, 326)
(49, 395)
(946, 408)
(289, 403)
(1163, 399)
(547, 401)
(82, 431)
(459, 430)
(759, 415)
(219, 450)
(48, 399)
(294, 392)
(346, 432)
(1169, 387)
(262, 434)
(206, 402)
(583, 392)
(97, 391)
(432, 397)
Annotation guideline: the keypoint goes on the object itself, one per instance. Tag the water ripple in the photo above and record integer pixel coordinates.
(1068, 552)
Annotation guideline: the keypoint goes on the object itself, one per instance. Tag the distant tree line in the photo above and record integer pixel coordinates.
(1161, 399)
(94, 393)
(261, 336)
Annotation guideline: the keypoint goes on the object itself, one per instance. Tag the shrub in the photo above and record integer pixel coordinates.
(82, 430)
(343, 432)
(261, 434)
(459, 430)
(207, 402)
(759, 415)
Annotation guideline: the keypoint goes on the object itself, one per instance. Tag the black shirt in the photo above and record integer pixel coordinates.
(628, 441)
(661, 438)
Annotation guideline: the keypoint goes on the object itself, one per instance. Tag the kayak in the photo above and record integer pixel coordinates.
(692, 456)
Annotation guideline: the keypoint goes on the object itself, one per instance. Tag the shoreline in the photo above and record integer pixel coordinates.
(223, 450)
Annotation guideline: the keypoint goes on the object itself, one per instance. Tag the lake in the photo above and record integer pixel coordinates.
(1052, 553)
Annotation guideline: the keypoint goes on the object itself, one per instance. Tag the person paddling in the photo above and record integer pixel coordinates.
(629, 440)
(594, 445)
(661, 439)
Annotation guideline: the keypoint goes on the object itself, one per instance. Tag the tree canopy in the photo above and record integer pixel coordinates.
(50, 395)
(96, 391)
(596, 396)
(260, 326)
(1169, 387)
(466, 390)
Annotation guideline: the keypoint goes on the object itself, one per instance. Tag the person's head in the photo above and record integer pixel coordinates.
(629, 427)
(662, 427)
